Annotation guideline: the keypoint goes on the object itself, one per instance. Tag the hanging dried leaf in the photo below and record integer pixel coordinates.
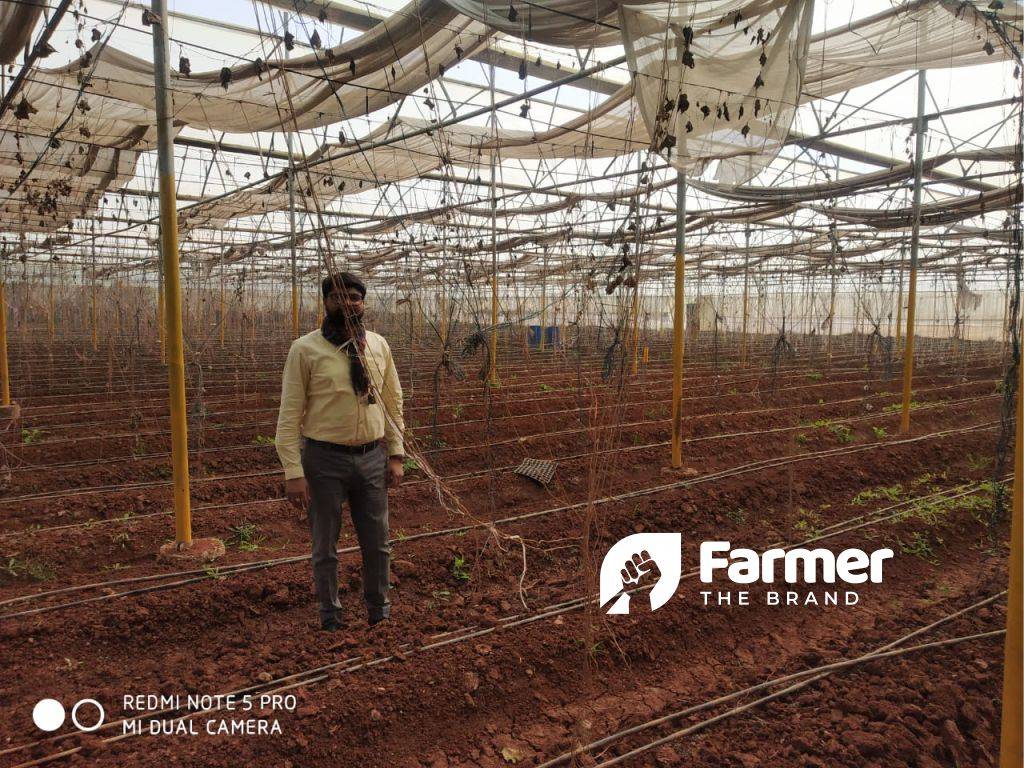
(314, 40)
(322, 16)
(987, 48)
(289, 41)
(184, 66)
(683, 103)
(24, 109)
(688, 59)
(522, 70)
(513, 14)
(96, 34)
(225, 77)
(42, 50)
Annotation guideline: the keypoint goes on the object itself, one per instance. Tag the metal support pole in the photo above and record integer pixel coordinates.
(746, 294)
(677, 323)
(1011, 745)
(52, 324)
(899, 301)
(291, 229)
(492, 376)
(172, 285)
(160, 306)
(95, 324)
(831, 309)
(543, 301)
(908, 356)
(223, 318)
(5, 381)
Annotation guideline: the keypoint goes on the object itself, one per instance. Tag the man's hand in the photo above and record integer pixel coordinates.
(297, 491)
(396, 470)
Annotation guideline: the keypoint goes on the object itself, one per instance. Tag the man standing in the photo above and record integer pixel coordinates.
(339, 398)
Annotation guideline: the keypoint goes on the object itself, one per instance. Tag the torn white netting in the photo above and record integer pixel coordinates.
(17, 20)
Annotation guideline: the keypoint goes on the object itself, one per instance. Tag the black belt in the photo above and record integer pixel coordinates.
(357, 449)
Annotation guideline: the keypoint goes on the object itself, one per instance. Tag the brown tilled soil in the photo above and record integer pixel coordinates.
(496, 655)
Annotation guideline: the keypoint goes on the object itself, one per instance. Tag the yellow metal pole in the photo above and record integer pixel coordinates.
(95, 324)
(1011, 746)
(746, 285)
(223, 318)
(53, 316)
(635, 321)
(172, 285)
(291, 224)
(5, 381)
(677, 323)
(543, 300)
(908, 356)
(160, 308)
(492, 376)
(831, 310)
(899, 302)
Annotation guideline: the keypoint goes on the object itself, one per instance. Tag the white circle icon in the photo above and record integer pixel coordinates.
(74, 716)
(48, 714)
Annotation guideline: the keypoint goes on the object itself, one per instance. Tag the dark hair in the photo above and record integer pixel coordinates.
(342, 280)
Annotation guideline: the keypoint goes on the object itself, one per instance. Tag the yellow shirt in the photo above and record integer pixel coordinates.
(319, 401)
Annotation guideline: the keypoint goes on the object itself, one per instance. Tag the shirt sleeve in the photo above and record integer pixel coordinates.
(289, 417)
(394, 422)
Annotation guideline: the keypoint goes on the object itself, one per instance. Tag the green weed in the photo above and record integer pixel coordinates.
(26, 568)
(886, 493)
(246, 536)
(460, 569)
(920, 546)
(29, 436)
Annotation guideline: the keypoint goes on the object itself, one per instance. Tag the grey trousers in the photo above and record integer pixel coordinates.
(333, 477)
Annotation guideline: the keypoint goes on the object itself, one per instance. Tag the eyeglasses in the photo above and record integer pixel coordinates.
(352, 298)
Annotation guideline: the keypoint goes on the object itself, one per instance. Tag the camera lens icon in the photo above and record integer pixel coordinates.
(49, 715)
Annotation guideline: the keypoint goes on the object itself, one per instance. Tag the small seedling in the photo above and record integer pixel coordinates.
(410, 464)
(879, 432)
(18, 568)
(460, 569)
(815, 375)
(920, 546)
(29, 436)
(246, 536)
(121, 539)
(546, 388)
(842, 433)
(213, 572)
(264, 440)
(737, 515)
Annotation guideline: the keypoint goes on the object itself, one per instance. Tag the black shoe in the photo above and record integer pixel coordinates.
(375, 619)
(332, 624)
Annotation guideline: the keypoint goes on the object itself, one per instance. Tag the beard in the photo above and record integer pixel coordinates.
(341, 316)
